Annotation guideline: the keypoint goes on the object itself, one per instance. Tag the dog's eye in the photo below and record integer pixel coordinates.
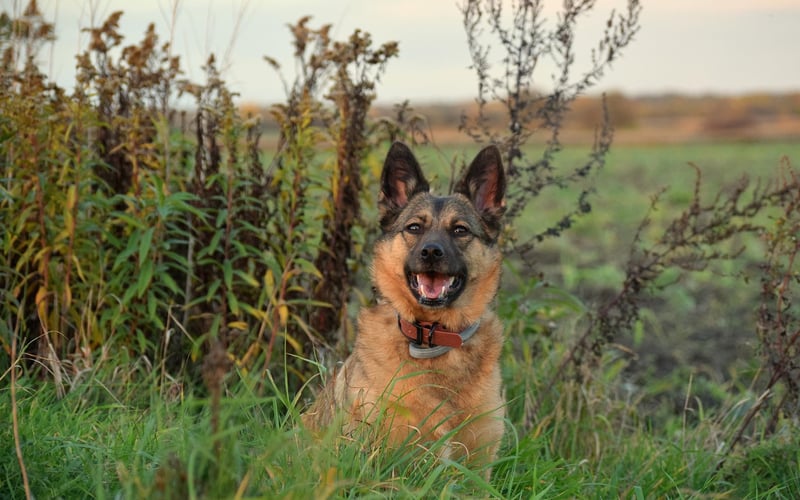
(414, 228)
(460, 230)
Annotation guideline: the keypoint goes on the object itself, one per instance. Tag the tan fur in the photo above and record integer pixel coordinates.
(380, 388)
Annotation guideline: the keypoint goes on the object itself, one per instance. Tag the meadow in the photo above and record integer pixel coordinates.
(175, 287)
(653, 423)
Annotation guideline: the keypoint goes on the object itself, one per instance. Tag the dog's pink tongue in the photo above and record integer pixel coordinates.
(433, 285)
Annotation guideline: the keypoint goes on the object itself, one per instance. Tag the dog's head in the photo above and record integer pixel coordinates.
(437, 259)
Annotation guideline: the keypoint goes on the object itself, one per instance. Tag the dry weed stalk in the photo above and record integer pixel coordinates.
(778, 324)
(348, 71)
(691, 242)
(526, 38)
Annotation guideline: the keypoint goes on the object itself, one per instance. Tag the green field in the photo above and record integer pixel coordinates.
(653, 420)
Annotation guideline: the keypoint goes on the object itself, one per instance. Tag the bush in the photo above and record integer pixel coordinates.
(140, 228)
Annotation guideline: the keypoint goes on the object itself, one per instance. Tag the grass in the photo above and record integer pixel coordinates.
(155, 448)
(638, 430)
(78, 451)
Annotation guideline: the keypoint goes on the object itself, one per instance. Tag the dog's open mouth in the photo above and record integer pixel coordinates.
(435, 289)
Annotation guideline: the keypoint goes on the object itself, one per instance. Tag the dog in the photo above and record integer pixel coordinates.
(425, 365)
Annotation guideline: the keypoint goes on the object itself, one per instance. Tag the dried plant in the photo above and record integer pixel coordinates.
(691, 242)
(526, 39)
(778, 324)
(347, 72)
(357, 66)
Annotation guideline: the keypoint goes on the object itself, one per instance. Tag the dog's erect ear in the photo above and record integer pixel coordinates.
(485, 185)
(400, 181)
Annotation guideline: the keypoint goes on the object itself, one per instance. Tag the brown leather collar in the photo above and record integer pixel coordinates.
(430, 334)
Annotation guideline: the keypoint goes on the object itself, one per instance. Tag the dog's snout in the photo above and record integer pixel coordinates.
(432, 251)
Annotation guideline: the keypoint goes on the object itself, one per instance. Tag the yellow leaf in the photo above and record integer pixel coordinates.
(72, 197)
(283, 314)
(269, 282)
(238, 325)
(41, 305)
(77, 265)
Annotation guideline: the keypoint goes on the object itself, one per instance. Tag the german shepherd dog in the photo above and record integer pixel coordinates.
(425, 362)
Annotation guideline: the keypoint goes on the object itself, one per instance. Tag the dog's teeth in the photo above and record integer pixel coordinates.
(445, 287)
(433, 285)
(418, 283)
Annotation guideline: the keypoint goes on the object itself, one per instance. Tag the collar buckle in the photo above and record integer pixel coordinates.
(421, 332)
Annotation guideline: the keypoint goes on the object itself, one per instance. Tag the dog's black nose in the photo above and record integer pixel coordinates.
(432, 251)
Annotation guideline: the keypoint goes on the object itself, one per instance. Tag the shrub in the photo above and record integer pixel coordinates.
(140, 228)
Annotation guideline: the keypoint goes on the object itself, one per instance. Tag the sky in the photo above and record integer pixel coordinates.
(683, 46)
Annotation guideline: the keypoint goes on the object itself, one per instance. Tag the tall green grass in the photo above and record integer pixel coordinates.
(588, 443)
